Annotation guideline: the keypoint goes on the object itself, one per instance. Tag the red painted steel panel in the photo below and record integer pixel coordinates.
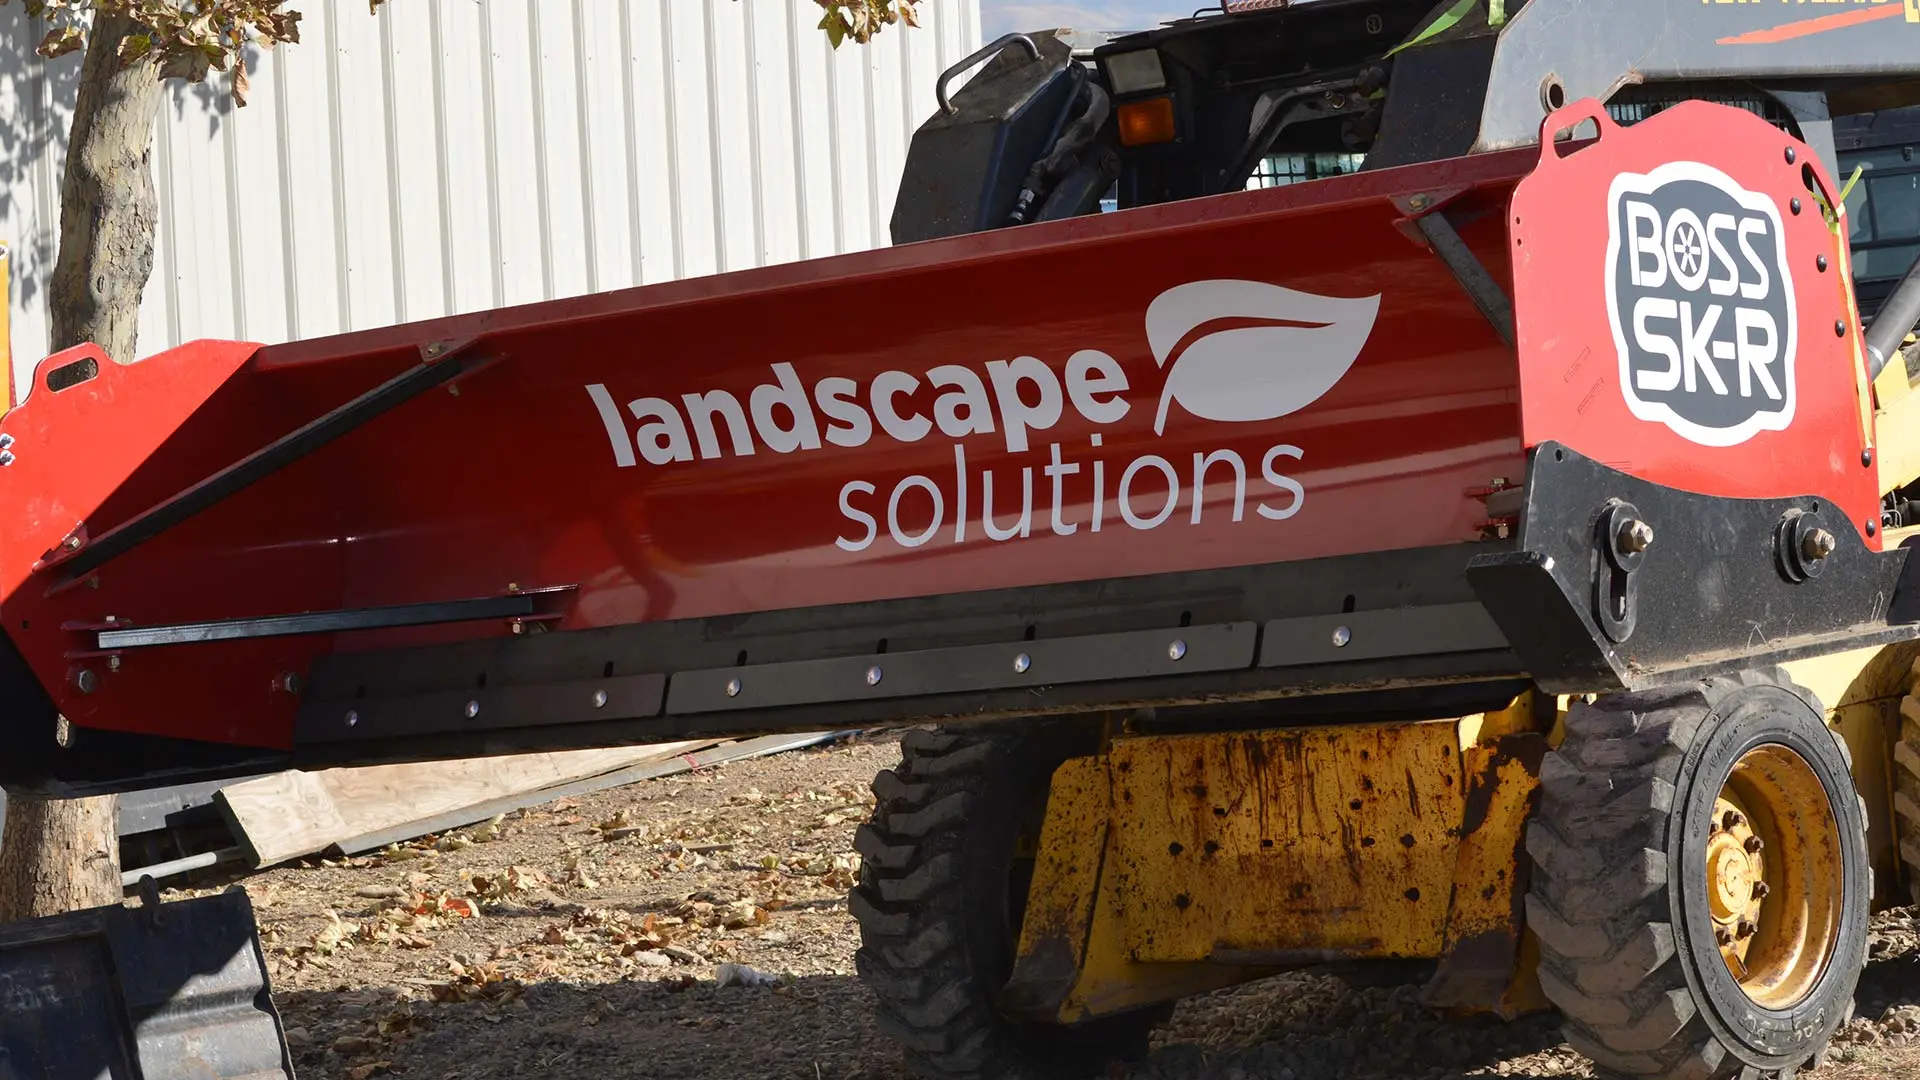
(1684, 312)
(1329, 376)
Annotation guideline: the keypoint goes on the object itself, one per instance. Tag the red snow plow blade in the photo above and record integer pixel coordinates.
(702, 506)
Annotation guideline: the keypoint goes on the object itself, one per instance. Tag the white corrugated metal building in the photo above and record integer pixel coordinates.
(444, 157)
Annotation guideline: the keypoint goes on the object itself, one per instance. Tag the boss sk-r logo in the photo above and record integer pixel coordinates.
(1702, 304)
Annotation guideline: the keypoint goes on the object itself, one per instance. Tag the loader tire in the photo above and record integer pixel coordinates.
(1663, 813)
(1906, 788)
(942, 887)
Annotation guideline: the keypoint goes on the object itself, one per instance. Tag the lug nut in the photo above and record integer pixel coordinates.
(1732, 818)
(1635, 536)
(1721, 935)
(1745, 930)
(1817, 544)
(1760, 890)
(1754, 844)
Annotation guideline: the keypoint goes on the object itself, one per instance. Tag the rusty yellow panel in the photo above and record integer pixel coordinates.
(1482, 952)
(1111, 981)
(1896, 430)
(1844, 678)
(1286, 846)
(1073, 964)
(1531, 711)
(1066, 877)
(1862, 690)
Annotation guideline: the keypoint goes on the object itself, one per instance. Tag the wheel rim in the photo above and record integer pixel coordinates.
(1774, 877)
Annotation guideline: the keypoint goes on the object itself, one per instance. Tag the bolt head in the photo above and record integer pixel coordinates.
(1754, 844)
(1817, 544)
(86, 680)
(72, 543)
(1794, 206)
(1723, 936)
(6, 442)
(1760, 890)
(733, 688)
(1731, 818)
(353, 718)
(473, 709)
(599, 699)
(113, 663)
(1821, 262)
(294, 683)
(1635, 536)
(1341, 636)
(874, 675)
(1177, 650)
(1745, 929)
(6, 458)
(1021, 663)
(1792, 155)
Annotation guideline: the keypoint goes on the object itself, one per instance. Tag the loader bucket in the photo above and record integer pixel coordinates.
(165, 991)
(1084, 400)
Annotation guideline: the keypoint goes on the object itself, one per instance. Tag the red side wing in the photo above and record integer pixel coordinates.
(1689, 249)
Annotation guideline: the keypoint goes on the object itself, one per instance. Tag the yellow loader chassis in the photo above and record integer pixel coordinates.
(1170, 865)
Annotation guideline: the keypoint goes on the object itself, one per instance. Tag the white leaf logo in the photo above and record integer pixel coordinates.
(1238, 351)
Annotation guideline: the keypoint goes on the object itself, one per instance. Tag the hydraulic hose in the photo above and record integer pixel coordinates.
(1894, 322)
(1066, 152)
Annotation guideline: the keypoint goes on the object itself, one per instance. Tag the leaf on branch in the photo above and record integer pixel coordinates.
(835, 24)
(279, 26)
(135, 48)
(861, 19)
(60, 41)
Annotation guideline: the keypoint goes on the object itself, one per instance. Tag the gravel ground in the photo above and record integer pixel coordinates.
(592, 937)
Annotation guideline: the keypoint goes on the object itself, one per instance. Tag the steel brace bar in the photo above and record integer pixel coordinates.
(266, 461)
(1467, 269)
(513, 606)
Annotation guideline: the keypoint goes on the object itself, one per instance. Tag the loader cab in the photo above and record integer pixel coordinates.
(1884, 205)
(1226, 101)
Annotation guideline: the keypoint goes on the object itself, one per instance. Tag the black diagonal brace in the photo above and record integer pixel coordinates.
(516, 605)
(266, 461)
(1467, 269)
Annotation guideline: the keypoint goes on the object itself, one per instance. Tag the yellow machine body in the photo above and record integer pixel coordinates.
(1171, 865)
(1174, 864)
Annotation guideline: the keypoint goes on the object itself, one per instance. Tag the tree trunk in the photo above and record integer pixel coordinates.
(107, 205)
(57, 856)
(61, 855)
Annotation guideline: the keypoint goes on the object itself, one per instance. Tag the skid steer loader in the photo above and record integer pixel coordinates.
(1453, 513)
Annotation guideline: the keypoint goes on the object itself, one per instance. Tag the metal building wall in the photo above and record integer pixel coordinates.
(445, 157)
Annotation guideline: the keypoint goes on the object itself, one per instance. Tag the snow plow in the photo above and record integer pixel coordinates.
(1485, 556)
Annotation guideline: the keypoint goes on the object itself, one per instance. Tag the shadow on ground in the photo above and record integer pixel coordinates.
(821, 1028)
